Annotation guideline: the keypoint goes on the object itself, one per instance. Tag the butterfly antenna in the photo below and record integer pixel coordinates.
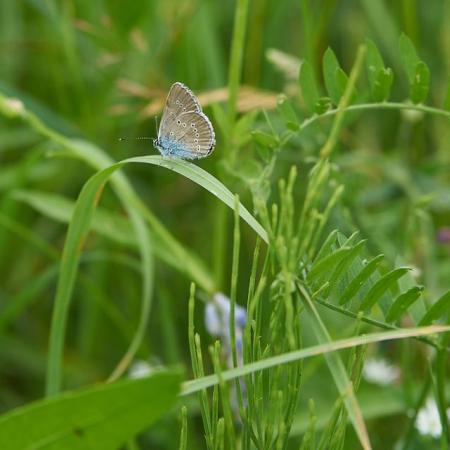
(139, 138)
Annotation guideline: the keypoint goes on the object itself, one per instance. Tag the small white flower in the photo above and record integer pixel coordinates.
(140, 369)
(428, 421)
(379, 371)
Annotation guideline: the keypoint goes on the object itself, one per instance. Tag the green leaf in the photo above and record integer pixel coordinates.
(308, 87)
(345, 263)
(421, 83)
(374, 62)
(330, 70)
(360, 279)
(409, 57)
(327, 246)
(341, 82)
(103, 417)
(287, 112)
(323, 105)
(382, 85)
(324, 265)
(381, 286)
(402, 303)
(264, 139)
(437, 310)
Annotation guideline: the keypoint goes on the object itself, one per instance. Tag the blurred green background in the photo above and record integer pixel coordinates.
(100, 70)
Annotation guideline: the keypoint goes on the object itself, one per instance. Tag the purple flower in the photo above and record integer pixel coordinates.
(443, 235)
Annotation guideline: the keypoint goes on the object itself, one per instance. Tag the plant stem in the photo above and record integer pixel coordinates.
(236, 56)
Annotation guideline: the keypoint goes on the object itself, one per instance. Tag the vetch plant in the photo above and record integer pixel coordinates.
(339, 239)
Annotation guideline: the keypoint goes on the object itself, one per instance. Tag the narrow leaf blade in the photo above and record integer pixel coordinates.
(439, 308)
(402, 303)
(360, 279)
(381, 286)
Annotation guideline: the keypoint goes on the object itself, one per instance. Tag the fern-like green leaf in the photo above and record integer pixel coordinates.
(327, 246)
(381, 286)
(360, 279)
(402, 303)
(439, 308)
(322, 267)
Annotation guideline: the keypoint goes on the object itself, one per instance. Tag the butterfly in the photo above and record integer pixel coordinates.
(185, 131)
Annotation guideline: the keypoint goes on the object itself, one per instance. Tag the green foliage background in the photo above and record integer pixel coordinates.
(89, 72)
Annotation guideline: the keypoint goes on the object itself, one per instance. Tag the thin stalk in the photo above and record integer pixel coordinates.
(374, 322)
(343, 104)
(236, 57)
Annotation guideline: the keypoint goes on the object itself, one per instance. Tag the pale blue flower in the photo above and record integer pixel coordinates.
(217, 322)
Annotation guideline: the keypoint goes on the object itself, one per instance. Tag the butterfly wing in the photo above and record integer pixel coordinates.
(180, 100)
(185, 131)
(191, 137)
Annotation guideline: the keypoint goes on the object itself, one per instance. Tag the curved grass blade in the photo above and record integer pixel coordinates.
(104, 222)
(76, 234)
(174, 250)
(60, 209)
(101, 417)
(193, 386)
(337, 370)
(99, 159)
(402, 303)
(79, 227)
(439, 308)
(207, 181)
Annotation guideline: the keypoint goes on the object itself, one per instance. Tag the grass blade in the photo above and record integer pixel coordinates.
(338, 372)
